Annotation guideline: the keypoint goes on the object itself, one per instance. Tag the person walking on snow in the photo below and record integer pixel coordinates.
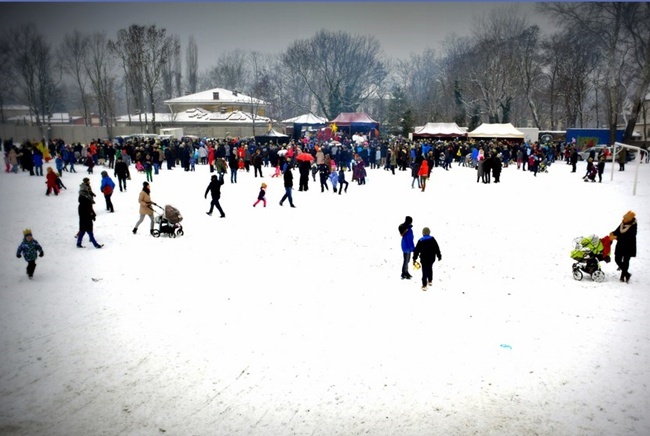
(107, 186)
(261, 196)
(427, 250)
(625, 236)
(29, 249)
(145, 207)
(406, 232)
(214, 188)
(86, 214)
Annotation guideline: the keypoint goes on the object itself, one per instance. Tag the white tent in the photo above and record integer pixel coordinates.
(505, 130)
(306, 119)
(430, 130)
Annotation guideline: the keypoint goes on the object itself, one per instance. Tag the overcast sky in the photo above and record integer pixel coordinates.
(218, 27)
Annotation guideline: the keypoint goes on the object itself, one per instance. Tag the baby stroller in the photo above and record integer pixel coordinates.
(168, 222)
(588, 251)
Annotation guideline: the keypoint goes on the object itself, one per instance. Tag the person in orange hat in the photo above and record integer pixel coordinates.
(625, 236)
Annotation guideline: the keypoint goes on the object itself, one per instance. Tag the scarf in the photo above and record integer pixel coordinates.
(625, 227)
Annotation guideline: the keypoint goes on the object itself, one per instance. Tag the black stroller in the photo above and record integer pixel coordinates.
(168, 222)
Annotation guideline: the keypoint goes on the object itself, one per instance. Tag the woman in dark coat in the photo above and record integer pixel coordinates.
(86, 214)
(625, 236)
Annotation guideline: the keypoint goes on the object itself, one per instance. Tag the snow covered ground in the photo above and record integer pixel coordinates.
(279, 321)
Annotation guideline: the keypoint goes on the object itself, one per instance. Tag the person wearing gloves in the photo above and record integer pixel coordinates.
(625, 236)
(145, 207)
(29, 249)
(427, 250)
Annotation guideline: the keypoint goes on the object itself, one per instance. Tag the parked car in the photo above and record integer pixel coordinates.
(584, 154)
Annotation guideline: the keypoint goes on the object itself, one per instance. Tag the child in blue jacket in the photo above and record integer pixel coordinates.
(29, 248)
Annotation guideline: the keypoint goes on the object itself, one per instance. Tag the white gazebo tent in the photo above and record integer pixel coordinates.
(439, 130)
(499, 131)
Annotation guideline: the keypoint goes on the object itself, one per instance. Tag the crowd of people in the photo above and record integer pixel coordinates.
(329, 160)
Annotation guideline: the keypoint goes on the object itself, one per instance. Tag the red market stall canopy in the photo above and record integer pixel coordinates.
(439, 130)
(355, 120)
(506, 131)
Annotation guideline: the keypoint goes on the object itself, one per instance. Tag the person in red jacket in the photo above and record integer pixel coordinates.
(424, 174)
(50, 181)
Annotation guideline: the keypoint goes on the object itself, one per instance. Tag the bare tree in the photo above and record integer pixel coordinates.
(6, 77)
(340, 70)
(603, 23)
(100, 70)
(192, 65)
(171, 73)
(421, 84)
(494, 66)
(72, 55)
(637, 25)
(144, 51)
(33, 67)
(231, 71)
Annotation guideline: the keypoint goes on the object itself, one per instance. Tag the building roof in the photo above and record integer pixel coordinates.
(207, 97)
(198, 115)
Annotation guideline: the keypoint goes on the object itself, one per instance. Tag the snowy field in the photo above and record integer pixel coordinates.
(280, 321)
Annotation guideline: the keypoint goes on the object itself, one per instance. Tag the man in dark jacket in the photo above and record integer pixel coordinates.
(288, 184)
(427, 250)
(121, 172)
(214, 188)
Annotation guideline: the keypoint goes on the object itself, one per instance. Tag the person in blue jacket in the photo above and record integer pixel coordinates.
(406, 232)
(107, 186)
(29, 249)
(427, 250)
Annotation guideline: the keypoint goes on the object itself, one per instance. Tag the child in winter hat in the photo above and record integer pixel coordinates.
(29, 249)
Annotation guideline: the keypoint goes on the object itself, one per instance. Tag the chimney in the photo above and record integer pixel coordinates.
(235, 93)
(215, 96)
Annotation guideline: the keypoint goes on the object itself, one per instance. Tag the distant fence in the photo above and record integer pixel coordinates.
(84, 134)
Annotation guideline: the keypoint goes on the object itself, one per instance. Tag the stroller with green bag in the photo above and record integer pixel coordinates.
(588, 252)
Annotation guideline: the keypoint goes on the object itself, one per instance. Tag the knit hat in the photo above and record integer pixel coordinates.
(629, 216)
(426, 231)
(145, 184)
(86, 180)
(27, 232)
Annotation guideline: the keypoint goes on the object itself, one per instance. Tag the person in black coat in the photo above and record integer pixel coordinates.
(214, 188)
(574, 159)
(625, 236)
(496, 168)
(288, 185)
(121, 172)
(86, 214)
(427, 250)
(304, 166)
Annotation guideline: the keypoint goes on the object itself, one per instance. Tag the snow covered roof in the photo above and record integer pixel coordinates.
(57, 118)
(306, 119)
(198, 115)
(213, 95)
(438, 130)
(505, 130)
